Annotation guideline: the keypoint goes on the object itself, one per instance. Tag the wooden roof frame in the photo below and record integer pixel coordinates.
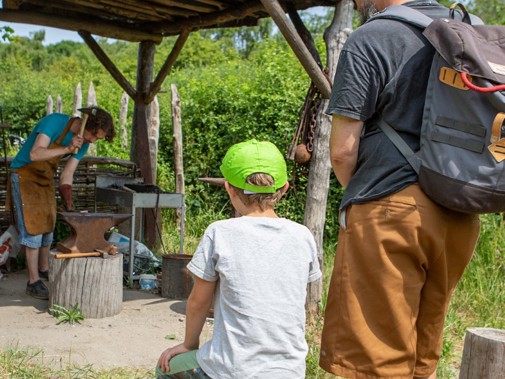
(148, 22)
(141, 20)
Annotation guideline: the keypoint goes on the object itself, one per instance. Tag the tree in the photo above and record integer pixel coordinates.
(492, 12)
(6, 33)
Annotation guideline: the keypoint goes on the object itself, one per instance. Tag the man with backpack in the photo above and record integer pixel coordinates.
(400, 254)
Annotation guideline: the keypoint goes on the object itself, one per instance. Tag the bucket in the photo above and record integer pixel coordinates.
(148, 282)
(177, 281)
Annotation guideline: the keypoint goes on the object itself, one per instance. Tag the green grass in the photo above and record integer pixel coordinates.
(477, 302)
(21, 363)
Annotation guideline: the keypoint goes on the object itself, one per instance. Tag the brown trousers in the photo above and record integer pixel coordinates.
(396, 266)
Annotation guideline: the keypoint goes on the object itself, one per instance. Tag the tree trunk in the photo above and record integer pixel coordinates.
(95, 284)
(483, 354)
(320, 168)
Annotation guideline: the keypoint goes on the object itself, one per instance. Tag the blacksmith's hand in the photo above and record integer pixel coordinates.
(67, 203)
(75, 143)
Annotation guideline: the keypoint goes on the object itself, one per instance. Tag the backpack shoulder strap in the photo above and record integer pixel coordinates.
(404, 13)
(401, 145)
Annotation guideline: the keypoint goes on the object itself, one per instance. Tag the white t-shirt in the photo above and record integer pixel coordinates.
(263, 266)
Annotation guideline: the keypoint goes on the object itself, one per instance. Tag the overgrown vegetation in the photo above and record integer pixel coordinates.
(234, 84)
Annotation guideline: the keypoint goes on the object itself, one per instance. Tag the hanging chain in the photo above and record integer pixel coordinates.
(314, 108)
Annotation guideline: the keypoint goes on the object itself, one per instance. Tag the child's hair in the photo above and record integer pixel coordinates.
(263, 200)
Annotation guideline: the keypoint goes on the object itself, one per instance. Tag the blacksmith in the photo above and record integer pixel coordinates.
(32, 182)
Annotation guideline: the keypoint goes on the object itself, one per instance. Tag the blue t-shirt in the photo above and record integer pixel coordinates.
(52, 126)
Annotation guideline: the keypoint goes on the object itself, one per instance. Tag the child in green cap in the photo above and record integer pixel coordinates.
(255, 268)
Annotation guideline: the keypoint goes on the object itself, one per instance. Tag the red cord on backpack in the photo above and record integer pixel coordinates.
(473, 87)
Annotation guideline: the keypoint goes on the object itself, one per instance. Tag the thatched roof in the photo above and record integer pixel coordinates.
(137, 20)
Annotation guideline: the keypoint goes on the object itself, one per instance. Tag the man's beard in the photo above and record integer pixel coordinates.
(366, 10)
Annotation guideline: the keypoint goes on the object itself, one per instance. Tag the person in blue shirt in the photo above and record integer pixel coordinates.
(32, 182)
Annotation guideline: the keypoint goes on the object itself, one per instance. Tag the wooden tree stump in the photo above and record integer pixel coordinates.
(94, 283)
(483, 354)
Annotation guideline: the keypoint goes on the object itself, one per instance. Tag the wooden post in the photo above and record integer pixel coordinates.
(178, 153)
(94, 283)
(320, 168)
(91, 101)
(49, 105)
(483, 354)
(123, 113)
(59, 105)
(140, 139)
(154, 134)
(77, 101)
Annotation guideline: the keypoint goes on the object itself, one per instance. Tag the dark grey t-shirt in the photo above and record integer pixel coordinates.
(383, 70)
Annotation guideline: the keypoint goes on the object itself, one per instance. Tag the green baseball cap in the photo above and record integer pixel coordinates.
(250, 157)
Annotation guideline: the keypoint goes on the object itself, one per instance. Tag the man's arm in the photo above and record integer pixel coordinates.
(197, 308)
(344, 144)
(41, 152)
(67, 175)
(66, 180)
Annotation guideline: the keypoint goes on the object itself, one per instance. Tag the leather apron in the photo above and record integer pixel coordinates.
(38, 195)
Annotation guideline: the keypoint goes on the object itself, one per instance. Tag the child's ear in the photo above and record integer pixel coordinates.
(285, 188)
(229, 189)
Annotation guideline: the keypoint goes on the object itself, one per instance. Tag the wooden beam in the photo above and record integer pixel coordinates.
(196, 6)
(87, 10)
(98, 27)
(203, 21)
(107, 63)
(167, 66)
(304, 33)
(289, 32)
(161, 11)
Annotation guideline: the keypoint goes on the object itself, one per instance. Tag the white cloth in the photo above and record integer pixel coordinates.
(263, 266)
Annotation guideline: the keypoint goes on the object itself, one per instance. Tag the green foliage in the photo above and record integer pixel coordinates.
(6, 33)
(492, 12)
(71, 316)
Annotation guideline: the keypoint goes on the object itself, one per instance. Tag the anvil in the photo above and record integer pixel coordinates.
(88, 230)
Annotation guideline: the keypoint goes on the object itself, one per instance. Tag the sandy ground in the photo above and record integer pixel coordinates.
(133, 338)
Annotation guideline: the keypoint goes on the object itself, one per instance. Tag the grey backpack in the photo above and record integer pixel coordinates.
(461, 161)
